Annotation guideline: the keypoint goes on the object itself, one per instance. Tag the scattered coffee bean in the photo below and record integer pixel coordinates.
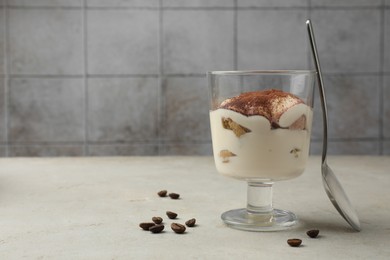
(162, 193)
(294, 242)
(157, 220)
(191, 222)
(146, 225)
(156, 228)
(171, 215)
(313, 233)
(178, 228)
(174, 196)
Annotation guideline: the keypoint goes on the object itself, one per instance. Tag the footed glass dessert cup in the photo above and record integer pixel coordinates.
(260, 127)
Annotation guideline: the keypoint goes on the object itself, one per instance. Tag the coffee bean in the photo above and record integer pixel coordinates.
(294, 242)
(191, 222)
(162, 193)
(313, 233)
(146, 225)
(171, 215)
(156, 228)
(174, 196)
(157, 220)
(178, 228)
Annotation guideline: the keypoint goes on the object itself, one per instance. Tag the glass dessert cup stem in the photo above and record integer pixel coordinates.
(259, 215)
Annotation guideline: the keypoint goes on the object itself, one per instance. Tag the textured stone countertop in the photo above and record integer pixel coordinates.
(90, 208)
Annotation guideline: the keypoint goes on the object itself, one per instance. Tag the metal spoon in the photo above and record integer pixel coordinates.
(332, 186)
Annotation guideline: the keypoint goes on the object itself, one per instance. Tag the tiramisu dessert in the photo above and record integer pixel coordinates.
(262, 135)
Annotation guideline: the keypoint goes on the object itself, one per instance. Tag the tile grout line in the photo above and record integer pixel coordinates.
(3, 78)
(160, 87)
(235, 35)
(75, 143)
(381, 76)
(173, 8)
(6, 79)
(81, 7)
(82, 75)
(308, 51)
(183, 8)
(182, 75)
(152, 142)
(235, 43)
(85, 80)
(46, 7)
(348, 139)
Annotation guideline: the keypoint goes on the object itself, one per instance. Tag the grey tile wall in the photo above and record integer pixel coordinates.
(3, 151)
(3, 82)
(263, 47)
(386, 108)
(186, 149)
(353, 104)
(127, 77)
(386, 81)
(272, 3)
(386, 147)
(186, 115)
(41, 150)
(198, 3)
(349, 40)
(122, 109)
(122, 41)
(46, 110)
(346, 3)
(2, 41)
(3, 122)
(44, 3)
(122, 3)
(45, 41)
(347, 147)
(182, 51)
(122, 149)
(387, 40)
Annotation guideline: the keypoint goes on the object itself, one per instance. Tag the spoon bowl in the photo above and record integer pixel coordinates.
(338, 197)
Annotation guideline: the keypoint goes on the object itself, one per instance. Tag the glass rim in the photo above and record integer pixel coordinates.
(260, 72)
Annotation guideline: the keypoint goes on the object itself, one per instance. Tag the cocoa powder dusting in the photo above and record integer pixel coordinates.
(270, 103)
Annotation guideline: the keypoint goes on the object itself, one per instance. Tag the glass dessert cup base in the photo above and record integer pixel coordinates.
(275, 220)
(259, 215)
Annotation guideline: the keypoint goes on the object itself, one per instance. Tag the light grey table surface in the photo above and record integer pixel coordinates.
(90, 208)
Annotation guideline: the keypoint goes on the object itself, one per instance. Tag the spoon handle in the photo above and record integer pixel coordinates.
(321, 89)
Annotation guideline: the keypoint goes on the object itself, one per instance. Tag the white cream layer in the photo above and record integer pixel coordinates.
(263, 154)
